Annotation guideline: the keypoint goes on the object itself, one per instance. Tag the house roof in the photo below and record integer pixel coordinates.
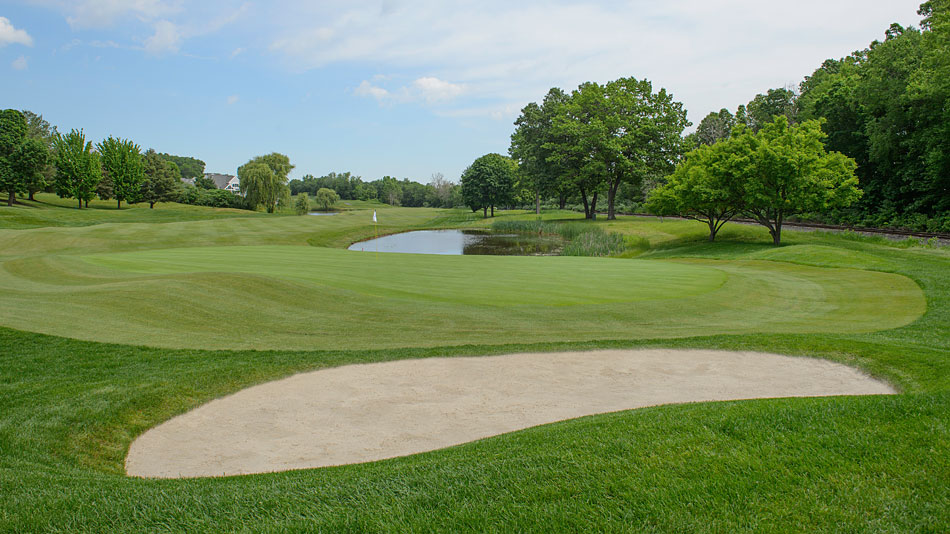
(220, 180)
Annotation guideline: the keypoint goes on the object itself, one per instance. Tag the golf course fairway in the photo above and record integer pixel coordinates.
(305, 298)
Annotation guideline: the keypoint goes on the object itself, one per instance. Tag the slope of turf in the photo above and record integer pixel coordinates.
(316, 298)
(69, 409)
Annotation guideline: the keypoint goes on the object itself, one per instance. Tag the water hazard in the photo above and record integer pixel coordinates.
(463, 242)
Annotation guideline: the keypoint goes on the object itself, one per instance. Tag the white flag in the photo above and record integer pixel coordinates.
(374, 215)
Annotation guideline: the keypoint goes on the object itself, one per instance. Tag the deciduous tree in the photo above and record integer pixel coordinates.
(122, 162)
(489, 182)
(532, 145)
(162, 181)
(714, 127)
(12, 135)
(708, 184)
(78, 171)
(39, 128)
(792, 173)
(325, 198)
(302, 204)
(264, 180)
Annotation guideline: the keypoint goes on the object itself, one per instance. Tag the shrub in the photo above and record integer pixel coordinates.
(302, 204)
(583, 239)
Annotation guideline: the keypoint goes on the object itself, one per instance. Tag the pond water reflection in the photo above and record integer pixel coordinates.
(463, 242)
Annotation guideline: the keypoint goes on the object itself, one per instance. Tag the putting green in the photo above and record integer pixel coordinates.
(293, 297)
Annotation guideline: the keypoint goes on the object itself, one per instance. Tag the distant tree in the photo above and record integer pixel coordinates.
(792, 173)
(708, 184)
(162, 181)
(715, 127)
(441, 191)
(389, 190)
(106, 189)
(122, 163)
(489, 182)
(302, 204)
(12, 135)
(413, 194)
(26, 166)
(325, 198)
(763, 109)
(187, 166)
(203, 182)
(78, 170)
(365, 191)
(39, 128)
(264, 180)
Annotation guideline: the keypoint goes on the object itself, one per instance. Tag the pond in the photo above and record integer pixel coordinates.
(323, 213)
(463, 242)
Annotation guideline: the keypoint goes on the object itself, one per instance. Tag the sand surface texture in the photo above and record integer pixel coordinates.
(361, 413)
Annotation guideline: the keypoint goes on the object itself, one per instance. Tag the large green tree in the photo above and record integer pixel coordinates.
(27, 165)
(489, 182)
(12, 135)
(78, 170)
(532, 145)
(614, 134)
(709, 183)
(162, 182)
(188, 167)
(888, 107)
(572, 145)
(792, 173)
(122, 162)
(264, 180)
(39, 128)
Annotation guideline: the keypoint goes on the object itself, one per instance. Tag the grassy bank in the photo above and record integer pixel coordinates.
(69, 408)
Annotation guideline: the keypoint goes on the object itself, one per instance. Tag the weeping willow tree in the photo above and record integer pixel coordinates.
(264, 180)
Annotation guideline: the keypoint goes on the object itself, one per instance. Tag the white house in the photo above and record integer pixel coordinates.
(228, 182)
(234, 185)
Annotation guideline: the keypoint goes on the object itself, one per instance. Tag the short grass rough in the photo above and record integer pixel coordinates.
(69, 407)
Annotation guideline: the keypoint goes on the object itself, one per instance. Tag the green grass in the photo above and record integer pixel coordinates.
(49, 210)
(582, 239)
(302, 298)
(69, 408)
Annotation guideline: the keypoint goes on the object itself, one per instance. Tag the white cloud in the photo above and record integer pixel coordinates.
(367, 89)
(233, 99)
(11, 35)
(428, 89)
(433, 89)
(167, 38)
(85, 14)
(171, 22)
(236, 52)
(708, 54)
(19, 63)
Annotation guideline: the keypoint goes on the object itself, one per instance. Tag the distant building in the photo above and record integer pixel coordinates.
(190, 181)
(228, 182)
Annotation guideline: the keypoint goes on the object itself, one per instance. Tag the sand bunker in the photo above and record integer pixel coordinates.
(361, 413)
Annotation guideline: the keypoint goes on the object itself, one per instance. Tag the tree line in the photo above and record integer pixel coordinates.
(888, 108)
(438, 193)
(35, 157)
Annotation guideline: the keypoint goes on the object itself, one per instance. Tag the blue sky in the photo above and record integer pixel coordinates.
(404, 88)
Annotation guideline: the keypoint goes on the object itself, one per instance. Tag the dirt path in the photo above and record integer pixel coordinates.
(361, 413)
